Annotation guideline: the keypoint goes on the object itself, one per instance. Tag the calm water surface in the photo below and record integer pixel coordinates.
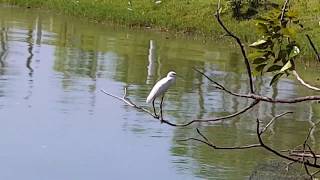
(56, 124)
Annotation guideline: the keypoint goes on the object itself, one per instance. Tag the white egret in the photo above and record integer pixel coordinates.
(159, 89)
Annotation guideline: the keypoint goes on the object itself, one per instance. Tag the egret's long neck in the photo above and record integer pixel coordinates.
(171, 78)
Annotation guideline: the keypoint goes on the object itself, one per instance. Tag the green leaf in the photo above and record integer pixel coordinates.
(275, 78)
(289, 32)
(260, 67)
(256, 54)
(292, 14)
(260, 44)
(281, 55)
(263, 27)
(274, 68)
(259, 60)
(262, 19)
(287, 66)
(295, 51)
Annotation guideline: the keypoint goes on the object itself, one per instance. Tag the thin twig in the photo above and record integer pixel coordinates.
(219, 86)
(307, 170)
(313, 47)
(305, 143)
(278, 153)
(316, 172)
(273, 119)
(204, 137)
(246, 61)
(128, 102)
(260, 97)
(307, 154)
(221, 147)
(223, 117)
(294, 72)
(314, 155)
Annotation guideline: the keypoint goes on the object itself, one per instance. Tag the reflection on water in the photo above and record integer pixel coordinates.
(152, 61)
(55, 123)
(3, 40)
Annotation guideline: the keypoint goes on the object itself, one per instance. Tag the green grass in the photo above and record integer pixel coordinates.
(183, 16)
(178, 16)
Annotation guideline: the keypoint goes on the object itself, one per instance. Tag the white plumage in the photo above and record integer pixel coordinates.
(159, 89)
(161, 86)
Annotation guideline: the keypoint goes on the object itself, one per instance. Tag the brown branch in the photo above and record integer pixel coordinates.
(129, 102)
(278, 153)
(286, 101)
(132, 104)
(305, 143)
(259, 97)
(207, 142)
(220, 147)
(294, 72)
(307, 170)
(316, 172)
(203, 136)
(314, 155)
(308, 155)
(221, 87)
(223, 117)
(273, 119)
(229, 33)
(313, 47)
(218, 86)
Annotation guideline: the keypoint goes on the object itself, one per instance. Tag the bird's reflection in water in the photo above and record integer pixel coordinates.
(152, 61)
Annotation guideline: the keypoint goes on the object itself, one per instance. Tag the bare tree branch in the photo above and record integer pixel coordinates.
(223, 117)
(294, 72)
(207, 142)
(129, 102)
(259, 97)
(313, 47)
(315, 173)
(306, 154)
(314, 155)
(273, 119)
(246, 61)
(278, 153)
(221, 147)
(204, 137)
(307, 170)
(286, 101)
(132, 104)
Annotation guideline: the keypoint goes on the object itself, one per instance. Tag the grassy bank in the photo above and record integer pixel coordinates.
(183, 16)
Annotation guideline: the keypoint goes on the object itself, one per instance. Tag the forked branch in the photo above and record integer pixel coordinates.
(260, 144)
(260, 97)
(127, 101)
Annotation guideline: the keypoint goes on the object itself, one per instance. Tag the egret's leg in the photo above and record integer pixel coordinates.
(161, 114)
(154, 109)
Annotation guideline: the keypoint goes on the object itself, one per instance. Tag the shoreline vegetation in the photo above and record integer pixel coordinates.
(187, 17)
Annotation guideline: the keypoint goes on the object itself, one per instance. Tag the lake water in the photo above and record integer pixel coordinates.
(55, 123)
